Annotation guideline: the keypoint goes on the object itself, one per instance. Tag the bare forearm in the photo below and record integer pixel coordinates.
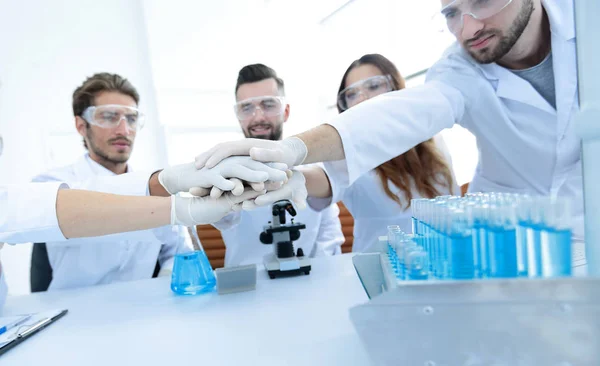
(323, 143)
(317, 183)
(85, 213)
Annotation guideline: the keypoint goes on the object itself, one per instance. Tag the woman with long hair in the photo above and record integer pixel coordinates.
(382, 197)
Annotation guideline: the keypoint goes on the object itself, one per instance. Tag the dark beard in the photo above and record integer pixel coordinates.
(104, 156)
(506, 43)
(275, 135)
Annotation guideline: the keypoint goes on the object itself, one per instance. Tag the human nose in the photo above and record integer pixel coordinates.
(122, 127)
(470, 26)
(255, 115)
(361, 97)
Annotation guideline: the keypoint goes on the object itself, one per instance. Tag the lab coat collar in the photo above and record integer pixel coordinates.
(510, 86)
(561, 14)
(562, 17)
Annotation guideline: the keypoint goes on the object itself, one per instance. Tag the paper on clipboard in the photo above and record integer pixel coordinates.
(27, 321)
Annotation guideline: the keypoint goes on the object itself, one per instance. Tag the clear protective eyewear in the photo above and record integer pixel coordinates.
(111, 115)
(454, 13)
(270, 106)
(363, 90)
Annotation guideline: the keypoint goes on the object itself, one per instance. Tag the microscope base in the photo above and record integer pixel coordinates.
(294, 272)
(286, 267)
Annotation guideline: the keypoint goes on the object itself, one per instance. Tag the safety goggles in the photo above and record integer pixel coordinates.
(455, 12)
(268, 105)
(363, 90)
(111, 115)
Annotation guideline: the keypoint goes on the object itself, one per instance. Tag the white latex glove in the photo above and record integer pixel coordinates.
(215, 192)
(291, 151)
(238, 188)
(181, 178)
(294, 190)
(190, 211)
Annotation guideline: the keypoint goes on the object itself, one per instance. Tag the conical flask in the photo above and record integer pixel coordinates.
(192, 272)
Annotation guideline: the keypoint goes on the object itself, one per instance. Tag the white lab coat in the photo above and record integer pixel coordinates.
(241, 230)
(525, 145)
(372, 209)
(28, 212)
(80, 262)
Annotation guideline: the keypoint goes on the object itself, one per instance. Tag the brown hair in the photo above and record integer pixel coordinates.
(84, 95)
(424, 165)
(258, 72)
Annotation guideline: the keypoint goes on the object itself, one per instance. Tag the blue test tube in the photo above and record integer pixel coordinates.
(401, 243)
(482, 226)
(414, 208)
(460, 254)
(474, 211)
(533, 231)
(407, 247)
(524, 203)
(394, 234)
(437, 239)
(555, 239)
(502, 240)
(416, 264)
(428, 214)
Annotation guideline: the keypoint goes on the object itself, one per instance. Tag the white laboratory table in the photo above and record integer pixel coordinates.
(287, 321)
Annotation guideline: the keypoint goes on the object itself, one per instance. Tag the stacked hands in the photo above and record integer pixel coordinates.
(233, 176)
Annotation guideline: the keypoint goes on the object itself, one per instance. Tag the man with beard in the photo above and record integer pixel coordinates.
(107, 117)
(262, 110)
(510, 79)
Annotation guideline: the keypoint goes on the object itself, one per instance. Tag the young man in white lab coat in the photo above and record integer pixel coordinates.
(498, 80)
(107, 117)
(262, 110)
(52, 212)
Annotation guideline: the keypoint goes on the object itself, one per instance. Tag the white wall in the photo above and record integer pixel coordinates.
(47, 49)
(197, 48)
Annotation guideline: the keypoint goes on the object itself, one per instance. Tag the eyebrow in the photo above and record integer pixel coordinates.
(448, 9)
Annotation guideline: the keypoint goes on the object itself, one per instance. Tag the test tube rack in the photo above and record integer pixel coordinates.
(477, 322)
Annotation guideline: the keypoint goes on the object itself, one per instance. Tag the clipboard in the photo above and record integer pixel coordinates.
(36, 323)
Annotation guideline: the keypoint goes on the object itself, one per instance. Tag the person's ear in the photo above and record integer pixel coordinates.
(81, 126)
(286, 113)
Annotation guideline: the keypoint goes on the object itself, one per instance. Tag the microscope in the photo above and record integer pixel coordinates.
(283, 261)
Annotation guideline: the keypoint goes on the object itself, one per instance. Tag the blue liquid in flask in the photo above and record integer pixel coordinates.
(192, 274)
